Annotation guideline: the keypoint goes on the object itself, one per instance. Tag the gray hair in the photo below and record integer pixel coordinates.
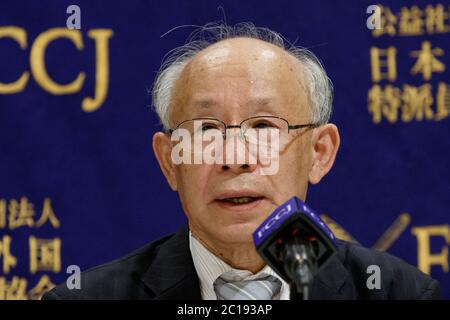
(320, 88)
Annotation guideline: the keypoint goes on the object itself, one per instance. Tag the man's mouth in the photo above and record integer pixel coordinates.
(240, 200)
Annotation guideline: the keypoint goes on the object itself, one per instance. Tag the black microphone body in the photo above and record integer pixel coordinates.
(300, 265)
(296, 243)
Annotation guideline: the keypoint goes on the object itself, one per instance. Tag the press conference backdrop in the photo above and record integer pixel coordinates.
(80, 186)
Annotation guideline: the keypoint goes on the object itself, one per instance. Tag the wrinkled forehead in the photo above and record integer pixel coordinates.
(240, 76)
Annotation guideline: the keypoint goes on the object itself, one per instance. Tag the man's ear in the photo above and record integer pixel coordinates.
(162, 147)
(325, 142)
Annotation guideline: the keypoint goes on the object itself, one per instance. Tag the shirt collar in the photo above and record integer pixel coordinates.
(209, 267)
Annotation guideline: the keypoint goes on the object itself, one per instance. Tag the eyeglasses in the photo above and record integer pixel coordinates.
(253, 130)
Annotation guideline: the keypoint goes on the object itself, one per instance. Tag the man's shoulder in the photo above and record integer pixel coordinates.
(397, 279)
(117, 279)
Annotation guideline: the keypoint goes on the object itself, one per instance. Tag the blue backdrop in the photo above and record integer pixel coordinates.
(79, 184)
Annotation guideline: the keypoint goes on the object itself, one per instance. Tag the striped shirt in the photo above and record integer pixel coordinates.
(209, 267)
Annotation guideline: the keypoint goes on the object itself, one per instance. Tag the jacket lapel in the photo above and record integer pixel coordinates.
(333, 281)
(172, 275)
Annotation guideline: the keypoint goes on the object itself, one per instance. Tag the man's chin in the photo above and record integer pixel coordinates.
(238, 233)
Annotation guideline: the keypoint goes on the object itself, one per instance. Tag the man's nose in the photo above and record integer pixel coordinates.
(236, 156)
(238, 168)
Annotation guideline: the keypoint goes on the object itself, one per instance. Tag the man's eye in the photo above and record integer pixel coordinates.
(263, 125)
(207, 126)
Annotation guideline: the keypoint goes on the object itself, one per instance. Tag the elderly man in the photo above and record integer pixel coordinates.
(235, 81)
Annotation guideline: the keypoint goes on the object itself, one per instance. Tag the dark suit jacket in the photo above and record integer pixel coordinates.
(164, 269)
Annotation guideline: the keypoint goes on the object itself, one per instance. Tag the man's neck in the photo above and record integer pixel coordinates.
(242, 256)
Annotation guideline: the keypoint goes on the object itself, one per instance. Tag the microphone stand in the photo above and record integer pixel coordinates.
(300, 265)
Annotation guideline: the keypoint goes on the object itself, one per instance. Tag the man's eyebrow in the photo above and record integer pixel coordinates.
(205, 103)
(261, 102)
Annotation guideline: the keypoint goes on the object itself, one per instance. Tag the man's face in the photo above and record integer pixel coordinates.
(231, 81)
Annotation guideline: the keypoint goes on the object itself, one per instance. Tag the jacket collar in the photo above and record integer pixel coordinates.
(333, 281)
(171, 275)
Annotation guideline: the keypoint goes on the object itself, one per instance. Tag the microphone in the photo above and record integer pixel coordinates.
(296, 244)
